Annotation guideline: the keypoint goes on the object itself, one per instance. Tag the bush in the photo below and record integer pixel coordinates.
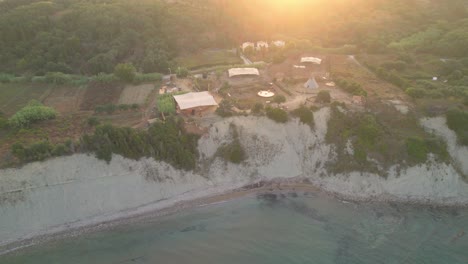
(351, 87)
(3, 121)
(257, 108)
(225, 88)
(93, 121)
(148, 77)
(279, 99)
(457, 121)
(394, 65)
(33, 112)
(305, 115)
(166, 104)
(233, 152)
(57, 78)
(36, 152)
(104, 78)
(416, 93)
(225, 109)
(182, 72)
(125, 72)
(277, 114)
(323, 97)
(416, 149)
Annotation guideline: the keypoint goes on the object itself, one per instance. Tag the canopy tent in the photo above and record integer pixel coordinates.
(262, 44)
(311, 60)
(192, 100)
(243, 71)
(311, 84)
(279, 43)
(247, 44)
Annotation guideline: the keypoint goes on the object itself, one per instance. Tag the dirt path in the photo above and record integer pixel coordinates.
(147, 110)
(246, 60)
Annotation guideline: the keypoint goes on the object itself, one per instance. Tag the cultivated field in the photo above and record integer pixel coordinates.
(136, 94)
(13, 96)
(65, 99)
(101, 94)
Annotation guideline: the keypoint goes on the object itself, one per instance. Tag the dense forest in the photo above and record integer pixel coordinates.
(92, 36)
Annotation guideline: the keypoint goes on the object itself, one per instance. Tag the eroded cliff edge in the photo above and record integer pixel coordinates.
(80, 190)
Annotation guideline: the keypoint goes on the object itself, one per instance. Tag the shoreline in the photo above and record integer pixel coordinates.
(277, 186)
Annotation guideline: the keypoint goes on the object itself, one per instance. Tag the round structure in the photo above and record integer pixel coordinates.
(266, 94)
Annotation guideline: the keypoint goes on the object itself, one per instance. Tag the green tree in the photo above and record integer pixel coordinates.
(279, 99)
(323, 97)
(125, 72)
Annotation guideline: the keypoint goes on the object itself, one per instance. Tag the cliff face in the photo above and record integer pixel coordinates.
(80, 190)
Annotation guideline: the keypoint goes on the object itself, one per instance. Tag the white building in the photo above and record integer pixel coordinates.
(194, 101)
(243, 72)
(312, 60)
(279, 43)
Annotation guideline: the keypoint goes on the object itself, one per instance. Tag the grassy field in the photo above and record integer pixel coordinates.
(208, 58)
(14, 96)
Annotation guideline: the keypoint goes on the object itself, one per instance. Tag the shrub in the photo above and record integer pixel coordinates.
(416, 149)
(33, 112)
(279, 99)
(233, 152)
(224, 88)
(323, 97)
(59, 150)
(148, 77)
(166, 104)
(93, 121)
(394, 65)
(416, 92)
(6, 78)
(104, 78)
(351, 87)
(305, 115)
(125, 72)
(257, 108)
(36, 152)
(277, 114)
(3, 121)
(457, 121)
(57, 78)
(225, 109)
(182, 72)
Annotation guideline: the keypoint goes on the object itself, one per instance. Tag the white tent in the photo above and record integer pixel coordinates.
(192, 100)
(311, 60)
(279, 43)
(243, 71)
(311, 84)
(262, 44)
(247, 44)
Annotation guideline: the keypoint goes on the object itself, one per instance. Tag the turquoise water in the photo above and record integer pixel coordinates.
(274, 228)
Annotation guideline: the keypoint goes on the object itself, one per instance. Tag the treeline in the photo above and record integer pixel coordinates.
(166, 141)
(90, 37)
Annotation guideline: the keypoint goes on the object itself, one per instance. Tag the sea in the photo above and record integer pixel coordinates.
(286, 227)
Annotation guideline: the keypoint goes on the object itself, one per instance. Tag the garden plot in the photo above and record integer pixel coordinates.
(136, 94)
(65, 99)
